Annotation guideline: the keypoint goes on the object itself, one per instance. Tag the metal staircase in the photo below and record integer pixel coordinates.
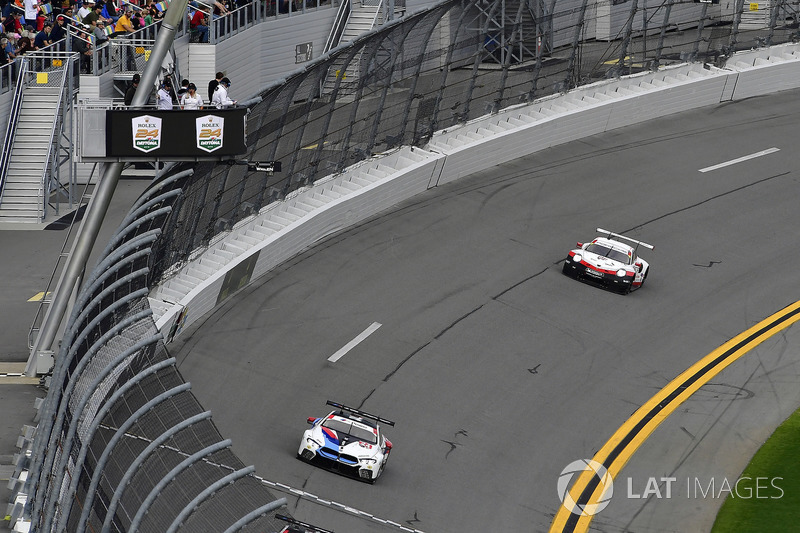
(355, 19)
(31, 160)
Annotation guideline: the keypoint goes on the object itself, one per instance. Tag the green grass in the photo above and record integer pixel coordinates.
(776, 509)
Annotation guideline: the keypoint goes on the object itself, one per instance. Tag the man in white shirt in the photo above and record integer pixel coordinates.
(31, 11)
(163, 96)
(85, 9)
(221, 100)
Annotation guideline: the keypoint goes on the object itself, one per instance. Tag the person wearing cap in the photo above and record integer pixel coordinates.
(221, 100)
(129, 94)
(93, 16)
(99, 32)
(164, 96)
(190, 99)
(59, 31)
(124, 24)
(85, 9)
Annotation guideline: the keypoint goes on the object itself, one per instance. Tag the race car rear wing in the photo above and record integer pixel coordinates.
(360, 413)
(612, 234)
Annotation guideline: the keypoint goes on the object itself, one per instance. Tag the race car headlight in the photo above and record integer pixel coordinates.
(621, 272)
(368, 460)
(309, 440)
(577, 258)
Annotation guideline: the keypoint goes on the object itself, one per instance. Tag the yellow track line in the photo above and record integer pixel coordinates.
(632, 434)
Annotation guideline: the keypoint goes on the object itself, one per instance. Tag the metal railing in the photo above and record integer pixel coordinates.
(339, 24)
(11, 128)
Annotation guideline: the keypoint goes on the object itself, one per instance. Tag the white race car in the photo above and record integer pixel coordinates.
(609, 262)
(348, 441)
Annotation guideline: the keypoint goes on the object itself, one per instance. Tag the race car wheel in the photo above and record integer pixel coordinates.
(307, 455)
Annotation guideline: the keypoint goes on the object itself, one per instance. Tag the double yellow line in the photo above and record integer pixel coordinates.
(587, 490)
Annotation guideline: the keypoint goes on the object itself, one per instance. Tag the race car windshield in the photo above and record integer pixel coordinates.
(611, 253)
(348, 428)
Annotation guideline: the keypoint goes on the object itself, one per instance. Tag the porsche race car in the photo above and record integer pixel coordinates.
(348, 441)
(608, 262)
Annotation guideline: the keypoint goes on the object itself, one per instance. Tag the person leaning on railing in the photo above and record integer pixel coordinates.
(80, 44)
(59, 30)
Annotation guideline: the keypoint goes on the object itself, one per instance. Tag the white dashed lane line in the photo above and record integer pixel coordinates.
(350, 345)
(740, 159)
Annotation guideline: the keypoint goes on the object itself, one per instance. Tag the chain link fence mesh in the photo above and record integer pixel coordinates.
(119, 421)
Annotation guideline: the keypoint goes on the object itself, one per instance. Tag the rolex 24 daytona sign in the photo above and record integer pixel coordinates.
(209, 130)
(146, 133)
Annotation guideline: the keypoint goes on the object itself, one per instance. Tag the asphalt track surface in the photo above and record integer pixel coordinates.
(735, 251)
(497, 369)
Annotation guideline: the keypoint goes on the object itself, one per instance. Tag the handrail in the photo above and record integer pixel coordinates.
(11, 128)
(342, 16)
(56, 130)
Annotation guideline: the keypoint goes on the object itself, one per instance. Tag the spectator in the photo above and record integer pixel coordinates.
(220, 98)
(42, 38)
(199, 24)
(4, 57)
(124, 24)
(190, 99)
(183, 89)
(93, 15)
(213, 85)
(109, 13)
(85, 9)
(10, 47)
(24, 43)
(81, 45)
(137, 20)
(31, 11)
(164, 96)
(99, 33)
(129, 94)
(219, 10)
(12, 23)
(59, 30)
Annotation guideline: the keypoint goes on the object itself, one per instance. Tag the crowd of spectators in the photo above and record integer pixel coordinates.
(27, 25)
(187, 97)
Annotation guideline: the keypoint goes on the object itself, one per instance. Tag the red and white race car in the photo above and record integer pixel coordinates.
(348, 441)
(609, 262)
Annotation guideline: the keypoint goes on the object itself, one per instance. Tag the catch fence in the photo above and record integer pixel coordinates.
(123, 442)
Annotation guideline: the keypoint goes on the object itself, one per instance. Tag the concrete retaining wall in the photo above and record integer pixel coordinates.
(284, 229)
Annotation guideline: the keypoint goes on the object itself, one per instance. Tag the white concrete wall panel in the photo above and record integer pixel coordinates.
(267, 48)
(484, 143)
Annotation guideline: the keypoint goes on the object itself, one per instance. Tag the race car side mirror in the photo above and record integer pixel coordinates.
(638, 265)
(311, 420)
(580, 245)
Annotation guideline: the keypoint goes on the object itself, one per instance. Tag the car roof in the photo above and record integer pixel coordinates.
(614, 244)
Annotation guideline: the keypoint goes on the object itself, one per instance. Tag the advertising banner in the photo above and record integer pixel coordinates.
(176, 135)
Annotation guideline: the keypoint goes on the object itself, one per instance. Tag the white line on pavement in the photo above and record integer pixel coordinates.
(335, 505)
(350, 345)
(740, 159)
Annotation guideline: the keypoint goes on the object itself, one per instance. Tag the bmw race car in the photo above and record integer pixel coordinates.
(609, 262)
(348, 441)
